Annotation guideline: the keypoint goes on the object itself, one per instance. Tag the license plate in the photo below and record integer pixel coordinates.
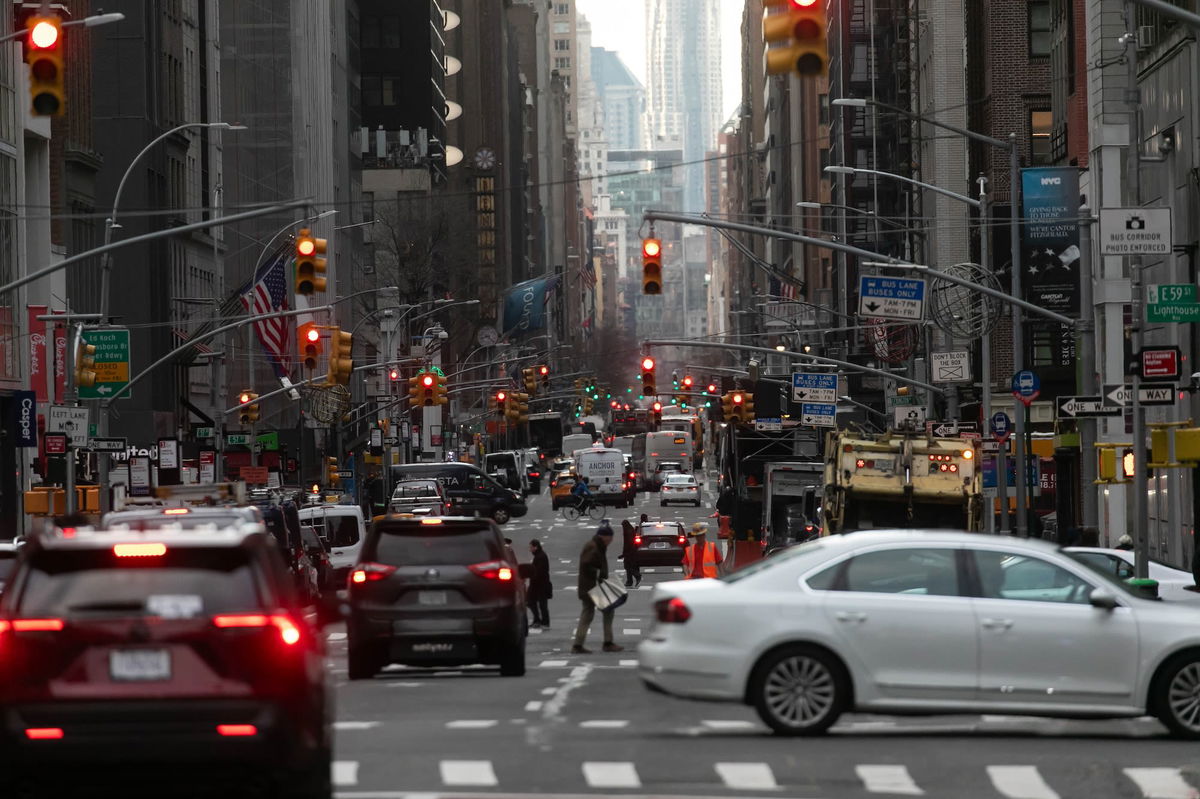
(658, 545)
(144, 665)
(431, 598)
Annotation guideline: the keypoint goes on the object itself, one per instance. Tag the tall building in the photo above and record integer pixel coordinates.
(623, 97)
(683, 95)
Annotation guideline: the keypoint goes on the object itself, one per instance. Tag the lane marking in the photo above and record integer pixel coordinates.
(602, 774)
(355, 725)
(1161, 783)
(403, 684)
(345, 772)
(471, 724)
(627, 663)
(553, 664)
(1020, 782)
(468, 772)
(728, 724)
(747, 776)
(533, 705)
(604, 724)
(887, 779)
(549, 691)
(631, 631)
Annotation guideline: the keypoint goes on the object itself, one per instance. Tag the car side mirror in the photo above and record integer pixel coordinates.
(1099, 598)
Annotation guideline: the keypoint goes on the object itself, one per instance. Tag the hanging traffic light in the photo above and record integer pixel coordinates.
(712, 388)
(308, 336)
(414, 391)
(44, 54)
(249, 412)
(795, 37)
(428, 386)
(649, 389)
(518, 408)
(735, 410)
(747, 407)
(85, 365)
(687, 382)
(544, 373)
(529, 378)
(441, 392)
(341, 363)
(652, 266)
(332, 477)
(502, 403)
(310, 266)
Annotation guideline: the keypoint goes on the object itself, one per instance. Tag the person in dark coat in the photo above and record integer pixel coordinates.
(593, 567)
(633, 572)
(540, 587)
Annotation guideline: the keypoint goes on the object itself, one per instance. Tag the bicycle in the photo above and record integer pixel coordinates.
(581, 506)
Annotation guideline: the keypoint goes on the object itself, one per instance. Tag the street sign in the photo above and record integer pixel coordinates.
(768, 425)
(55, 443)
(235, 439)
(951, 429)
(108, 444)
(818, 414)
(1135, 231)
(1089, 407)
(1026, 386)
(814, 387)
(390, 441)
(1172, 302)
(896, 401)
(112, 361)
(910, 417)
(951, 367)
(891, 297)
(1148, 394)
(204, 432)
(1159, 363)
(70, 420)
(1001, 425)
(345, 474)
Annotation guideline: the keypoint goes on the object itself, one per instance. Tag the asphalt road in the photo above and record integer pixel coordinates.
(582, 725)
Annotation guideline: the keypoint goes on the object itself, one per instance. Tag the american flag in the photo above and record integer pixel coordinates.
(782, 289)
(269, 294)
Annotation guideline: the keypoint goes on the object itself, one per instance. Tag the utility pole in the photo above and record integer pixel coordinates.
(1085, 349)
(985, 368)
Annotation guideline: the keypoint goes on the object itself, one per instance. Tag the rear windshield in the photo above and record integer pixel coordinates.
(419, 490)
(430, 545)
(184, 583)
(336, 529)
(188, 521)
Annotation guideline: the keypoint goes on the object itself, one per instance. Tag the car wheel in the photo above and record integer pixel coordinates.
(512, 662)
(1176, 696)
(799, 690)
(313, 781)
(360, 664)
(501, 515)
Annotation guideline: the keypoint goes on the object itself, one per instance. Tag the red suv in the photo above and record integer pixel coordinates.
(162, 650)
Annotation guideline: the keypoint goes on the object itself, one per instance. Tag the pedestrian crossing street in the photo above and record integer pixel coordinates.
(1006, 781)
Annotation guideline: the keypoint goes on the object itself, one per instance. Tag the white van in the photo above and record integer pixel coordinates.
(575, 441)
(342, 529)
(604, 469)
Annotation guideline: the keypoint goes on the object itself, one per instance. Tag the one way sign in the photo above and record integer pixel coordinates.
(1085, 407)
(1148, 394)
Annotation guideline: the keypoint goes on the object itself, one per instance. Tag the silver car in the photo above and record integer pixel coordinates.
(925, 622)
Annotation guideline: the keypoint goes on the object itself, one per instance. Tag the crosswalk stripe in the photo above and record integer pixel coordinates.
(1161, 783)
(468, 772)
(345, 772)
(611, 775)
(887, 779)
(471, 724)
(747, 776)
(728, 724)
(604, 724)
(1020, 782)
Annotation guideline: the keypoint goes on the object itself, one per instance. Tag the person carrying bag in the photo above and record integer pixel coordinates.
(593, 571)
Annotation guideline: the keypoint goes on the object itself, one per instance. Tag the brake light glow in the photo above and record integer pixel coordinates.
(43, 733)
(288, 631)
(672, 611)
(237, 730)
(682, 540)
(637, 540)
(370, 572)
(175, 511)
(36, 625)
(431, 521)
(864, 464)
(535, 474)
(154, 550)
(493, 570)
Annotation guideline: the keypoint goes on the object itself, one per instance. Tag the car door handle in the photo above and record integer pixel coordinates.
(848, 616)
(997, 624)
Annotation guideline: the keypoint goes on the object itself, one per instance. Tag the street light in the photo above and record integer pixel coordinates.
(87, 22)
(853, 170)
(815, 206)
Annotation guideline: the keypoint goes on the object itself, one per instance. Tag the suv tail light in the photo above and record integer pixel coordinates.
(672, 611)
(637, 540)
(370, 572)
(43, 733)
(493, 570)
(682, 540)
(289, 633)
(148, 550)
(31, 625)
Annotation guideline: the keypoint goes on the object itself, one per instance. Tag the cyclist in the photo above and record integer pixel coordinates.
(583, 495)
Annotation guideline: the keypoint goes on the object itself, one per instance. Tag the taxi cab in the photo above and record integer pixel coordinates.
(560, 489)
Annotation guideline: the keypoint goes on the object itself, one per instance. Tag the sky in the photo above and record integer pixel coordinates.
(620, 25)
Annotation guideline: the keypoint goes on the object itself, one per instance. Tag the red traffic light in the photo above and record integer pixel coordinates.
(43, 35)
(243, 398)
(306, 246)
(312, 334)
(657, 407)
(394, 374)
(501, 396)
(647, 364)
(651, 248)
(427, 380)
(545, 370)
(687, 382)
(712, 388)
(738, 399)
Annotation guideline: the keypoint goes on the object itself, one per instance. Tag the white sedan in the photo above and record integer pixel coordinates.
(680, 488)
(901, 621)
(1173, 584)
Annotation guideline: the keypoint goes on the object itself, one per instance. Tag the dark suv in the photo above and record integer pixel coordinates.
(161, 651)
(435, 591)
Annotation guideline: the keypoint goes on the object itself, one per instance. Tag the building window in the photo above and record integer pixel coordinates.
(562, 44)
(823, 113)
(1039, 28)
(562, 8)
(1041, 124)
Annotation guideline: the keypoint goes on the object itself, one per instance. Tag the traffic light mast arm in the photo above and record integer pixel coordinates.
(170, 356)
(815, 359)
(311, 380)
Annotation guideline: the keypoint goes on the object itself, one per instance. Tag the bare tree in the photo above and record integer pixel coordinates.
(419, 248)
